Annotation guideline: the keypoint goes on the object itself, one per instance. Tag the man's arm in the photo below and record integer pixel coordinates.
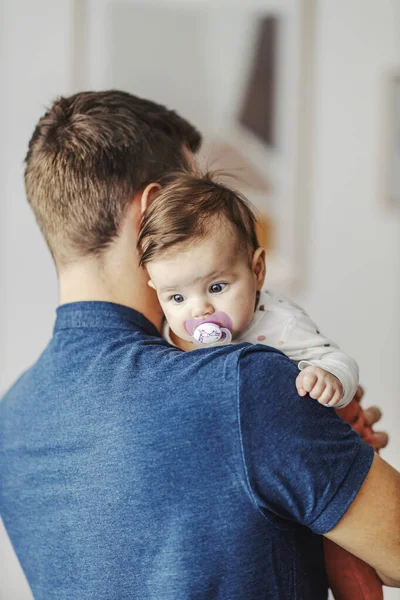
(370, 528)
(320, 474)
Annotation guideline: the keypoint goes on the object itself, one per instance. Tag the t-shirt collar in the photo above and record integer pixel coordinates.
(101, 315)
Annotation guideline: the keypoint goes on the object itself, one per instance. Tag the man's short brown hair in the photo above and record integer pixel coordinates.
(187, 209)
(88, 156)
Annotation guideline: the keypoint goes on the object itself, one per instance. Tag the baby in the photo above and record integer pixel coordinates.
(199, 245)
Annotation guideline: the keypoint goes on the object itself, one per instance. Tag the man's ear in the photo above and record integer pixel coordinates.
(147, 196)
(258, 267)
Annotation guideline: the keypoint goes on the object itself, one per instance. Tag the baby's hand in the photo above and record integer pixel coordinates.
(321, 385)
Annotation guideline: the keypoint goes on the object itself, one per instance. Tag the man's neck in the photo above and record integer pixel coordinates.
(110, 281)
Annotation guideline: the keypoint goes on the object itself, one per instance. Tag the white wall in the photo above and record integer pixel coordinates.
(34, 68)
(353, 287)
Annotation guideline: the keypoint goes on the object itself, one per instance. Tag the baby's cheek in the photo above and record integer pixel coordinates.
(167, 313)
(247, 312)
(247, 322)
(176, 322)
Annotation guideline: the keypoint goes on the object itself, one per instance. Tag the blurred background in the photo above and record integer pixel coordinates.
(299, 98)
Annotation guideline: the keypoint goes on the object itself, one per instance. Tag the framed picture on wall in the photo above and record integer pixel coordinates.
(242, 73)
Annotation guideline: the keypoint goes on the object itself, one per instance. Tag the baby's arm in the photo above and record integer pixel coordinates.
(327, 374)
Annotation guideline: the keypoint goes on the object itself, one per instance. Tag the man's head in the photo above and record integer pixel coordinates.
(88, 157)
(199, 244)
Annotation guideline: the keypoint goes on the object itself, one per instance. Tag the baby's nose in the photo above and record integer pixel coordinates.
(202, 310)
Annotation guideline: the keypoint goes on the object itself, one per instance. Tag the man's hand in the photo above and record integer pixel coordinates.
(372, 415)
(320, 385)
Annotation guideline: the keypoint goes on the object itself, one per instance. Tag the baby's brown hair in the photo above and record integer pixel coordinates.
(188, 208)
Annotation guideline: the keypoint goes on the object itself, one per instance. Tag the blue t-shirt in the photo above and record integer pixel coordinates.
(133, 470)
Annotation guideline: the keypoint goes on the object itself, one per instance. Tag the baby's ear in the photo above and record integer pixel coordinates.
(151, 284)
(258, 267)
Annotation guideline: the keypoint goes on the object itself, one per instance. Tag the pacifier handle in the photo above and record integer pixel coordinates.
(228, 336)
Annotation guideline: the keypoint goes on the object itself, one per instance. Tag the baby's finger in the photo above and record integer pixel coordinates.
(326, 395)
(309, 381)
(318, 389)
(299, 384)
(337, 396)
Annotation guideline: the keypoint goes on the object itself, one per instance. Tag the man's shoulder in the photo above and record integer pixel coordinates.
(246, 365)
(243, 354)
(261, 356)
(15, 389)
(13, 410)
(266, 376)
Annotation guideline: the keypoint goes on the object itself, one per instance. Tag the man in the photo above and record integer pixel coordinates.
(130, 469)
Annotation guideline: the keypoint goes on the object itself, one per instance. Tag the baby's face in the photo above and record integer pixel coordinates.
(209, 276)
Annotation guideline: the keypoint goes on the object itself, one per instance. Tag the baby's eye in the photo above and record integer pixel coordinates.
(177, 298)
(216, 288)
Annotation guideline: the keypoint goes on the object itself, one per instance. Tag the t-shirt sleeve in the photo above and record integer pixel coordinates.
(303, 463)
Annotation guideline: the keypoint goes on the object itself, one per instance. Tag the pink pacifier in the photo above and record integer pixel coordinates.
(215, 329)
